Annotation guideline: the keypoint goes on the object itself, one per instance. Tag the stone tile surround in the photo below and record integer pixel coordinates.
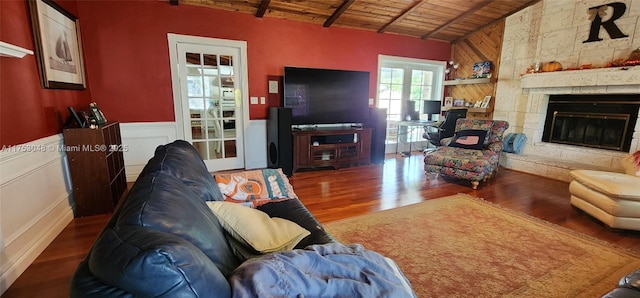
(556, 160)
(554, 30)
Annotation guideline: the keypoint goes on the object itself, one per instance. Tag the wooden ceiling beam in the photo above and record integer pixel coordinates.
(403, 15)
(262, 8)
(457, 19)
(532, 2)
(416, 18)
(336, 14)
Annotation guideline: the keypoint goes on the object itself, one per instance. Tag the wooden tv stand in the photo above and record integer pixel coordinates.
(315, 148)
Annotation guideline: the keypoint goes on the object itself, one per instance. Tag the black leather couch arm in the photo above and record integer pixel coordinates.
(295, 211)
(628, 287)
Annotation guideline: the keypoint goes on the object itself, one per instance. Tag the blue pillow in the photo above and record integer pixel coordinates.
(469, 139)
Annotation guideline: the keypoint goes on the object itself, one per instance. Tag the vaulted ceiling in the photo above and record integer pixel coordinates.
(448, 20)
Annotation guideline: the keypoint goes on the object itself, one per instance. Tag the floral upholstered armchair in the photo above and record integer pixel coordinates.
(473, 153)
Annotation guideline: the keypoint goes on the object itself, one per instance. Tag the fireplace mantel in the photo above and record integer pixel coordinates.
(619, 79)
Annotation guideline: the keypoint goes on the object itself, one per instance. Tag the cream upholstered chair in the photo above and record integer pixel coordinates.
(612, 198)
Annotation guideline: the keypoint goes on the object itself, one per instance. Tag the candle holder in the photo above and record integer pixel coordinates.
(452, 69)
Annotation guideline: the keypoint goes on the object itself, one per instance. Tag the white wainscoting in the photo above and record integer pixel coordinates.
(255, 145)
(141, 139)
(34, 203)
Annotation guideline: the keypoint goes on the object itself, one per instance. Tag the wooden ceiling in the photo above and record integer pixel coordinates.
(448, 20)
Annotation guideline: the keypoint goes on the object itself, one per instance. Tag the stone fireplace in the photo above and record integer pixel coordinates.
(556, 31)
(602, 104)
(602, 121)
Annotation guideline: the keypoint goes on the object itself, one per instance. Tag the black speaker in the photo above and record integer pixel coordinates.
(280, 140)
(377, 121)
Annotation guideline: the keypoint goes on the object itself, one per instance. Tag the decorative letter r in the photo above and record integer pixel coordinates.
(613, 30)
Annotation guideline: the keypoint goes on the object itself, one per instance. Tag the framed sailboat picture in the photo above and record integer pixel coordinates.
(58, 47)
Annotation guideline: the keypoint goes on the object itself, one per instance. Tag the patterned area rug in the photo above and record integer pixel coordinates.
(461, 246)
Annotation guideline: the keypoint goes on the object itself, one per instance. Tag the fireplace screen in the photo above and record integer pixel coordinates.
(604, 131)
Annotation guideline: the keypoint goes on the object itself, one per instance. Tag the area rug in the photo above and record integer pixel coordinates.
(462, 246)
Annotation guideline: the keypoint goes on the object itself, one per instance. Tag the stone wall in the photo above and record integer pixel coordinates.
(554, 30)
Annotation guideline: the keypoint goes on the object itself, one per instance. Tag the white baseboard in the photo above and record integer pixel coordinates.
(34, 203)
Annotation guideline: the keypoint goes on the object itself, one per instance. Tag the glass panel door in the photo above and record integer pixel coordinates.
(390, 92)
(212, 104)
(407, 82)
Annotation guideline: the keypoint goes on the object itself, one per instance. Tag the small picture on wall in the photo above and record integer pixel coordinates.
(481, 70)
(458, 102)
(485, 101)
(448, 101)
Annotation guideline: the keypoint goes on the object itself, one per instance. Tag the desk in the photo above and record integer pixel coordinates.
(411, 125)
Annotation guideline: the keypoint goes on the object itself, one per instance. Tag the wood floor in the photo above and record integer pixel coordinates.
(336, 194)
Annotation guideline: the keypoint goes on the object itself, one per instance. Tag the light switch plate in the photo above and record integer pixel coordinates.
(262, 100)
(371, 100)
(254, 100)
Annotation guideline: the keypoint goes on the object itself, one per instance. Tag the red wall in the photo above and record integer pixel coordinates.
(28, 111)
(127, 59)
(126, 47)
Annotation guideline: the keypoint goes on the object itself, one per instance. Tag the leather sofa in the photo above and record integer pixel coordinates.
(628, 287)
(163, 240)
(612, 198)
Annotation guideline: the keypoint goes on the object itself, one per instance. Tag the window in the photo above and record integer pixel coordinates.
(404, 79)
(390, 91)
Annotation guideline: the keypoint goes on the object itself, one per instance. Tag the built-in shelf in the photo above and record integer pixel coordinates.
(471, 110)
(9, 50)
(468, 81)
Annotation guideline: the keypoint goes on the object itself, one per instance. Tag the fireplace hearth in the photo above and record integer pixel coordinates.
(603, 121)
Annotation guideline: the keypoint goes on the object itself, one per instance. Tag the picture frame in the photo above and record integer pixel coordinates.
(57, 45)
(97, 114)
(448, 101)
(73, 117)
(458, 102)
(485, 102)
(477, 104)
(481, 70)
(87, 119)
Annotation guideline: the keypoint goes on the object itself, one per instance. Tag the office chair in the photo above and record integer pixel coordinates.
(445, 129)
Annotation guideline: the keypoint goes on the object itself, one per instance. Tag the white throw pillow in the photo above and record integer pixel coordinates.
(255, 228)
(629, 166)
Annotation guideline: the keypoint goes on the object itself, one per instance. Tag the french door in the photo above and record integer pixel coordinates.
(209, 106)
(401, 80)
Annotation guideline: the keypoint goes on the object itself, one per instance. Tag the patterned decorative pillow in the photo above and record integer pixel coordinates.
(631, 164)
(256, 187)
(469, 139)
(475, 124)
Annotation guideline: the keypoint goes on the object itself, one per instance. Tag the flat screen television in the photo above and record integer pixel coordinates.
(326, 96)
